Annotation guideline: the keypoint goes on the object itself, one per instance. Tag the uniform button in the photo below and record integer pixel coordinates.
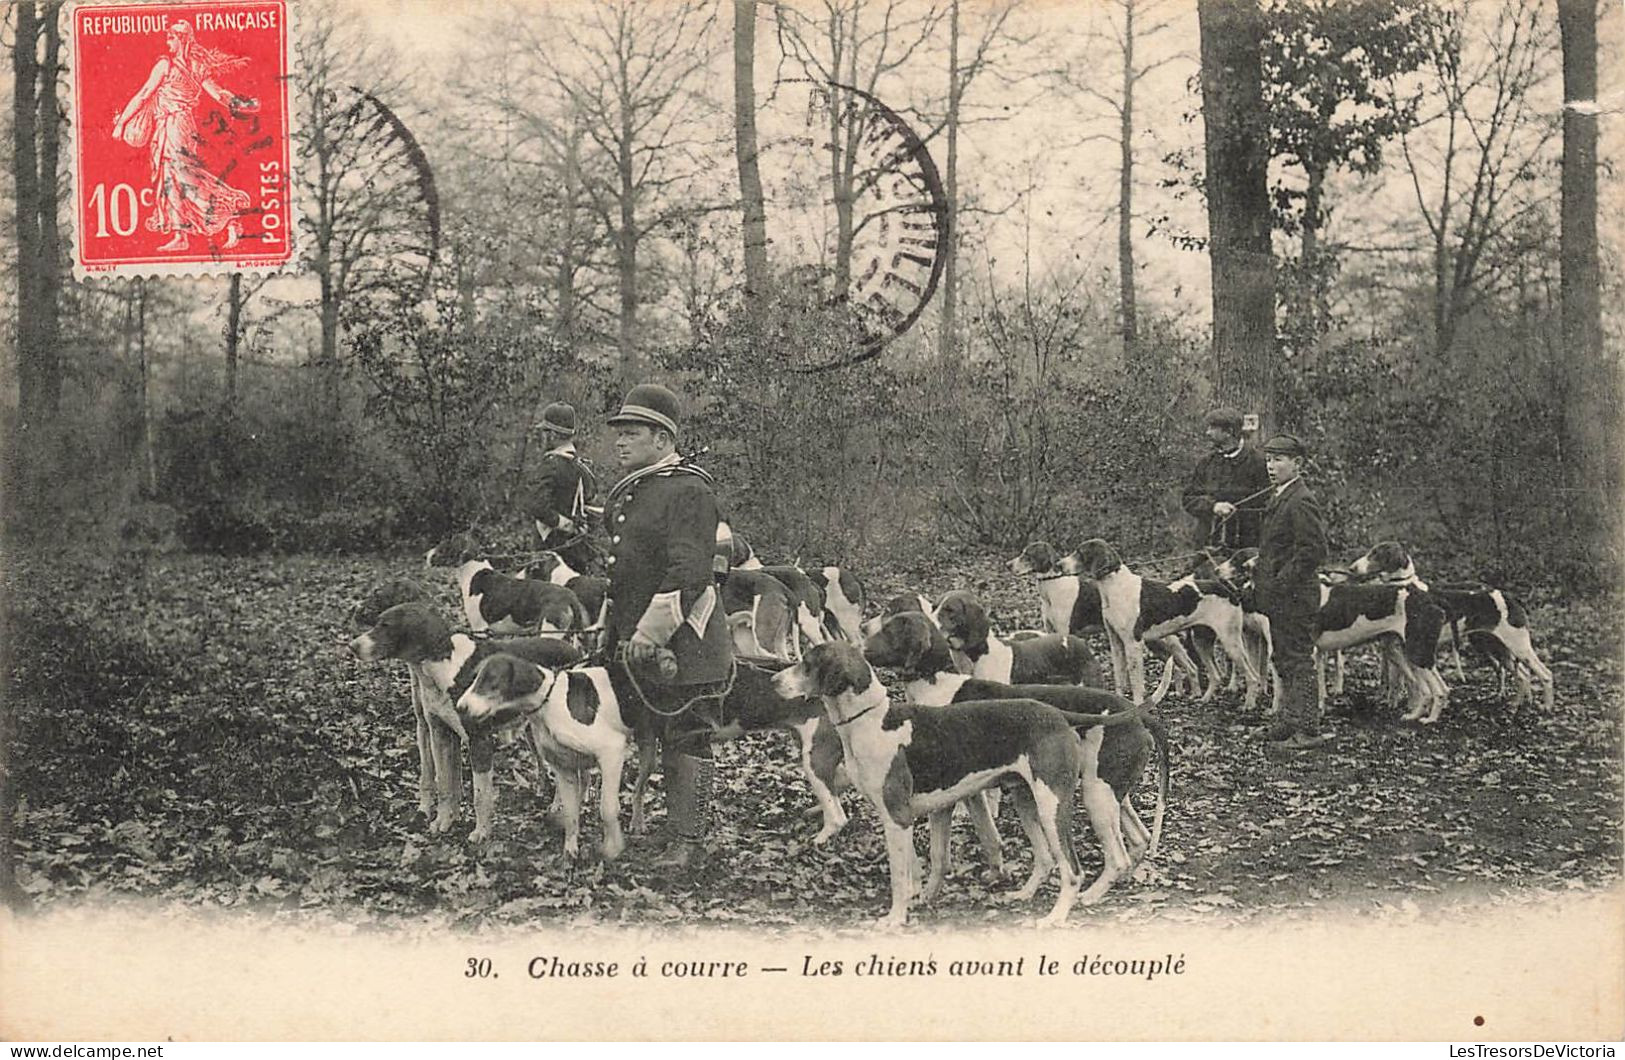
(616, 539)
(621, 519)
(610, 560)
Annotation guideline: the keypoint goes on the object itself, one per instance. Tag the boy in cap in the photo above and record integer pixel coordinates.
(662, 520)
(1291, 547)
(565, 487)
(1225, 489)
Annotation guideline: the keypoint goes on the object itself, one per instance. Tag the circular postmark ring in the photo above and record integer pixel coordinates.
(895, 227)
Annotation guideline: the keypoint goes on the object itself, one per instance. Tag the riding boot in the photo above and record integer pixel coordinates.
(688, 805)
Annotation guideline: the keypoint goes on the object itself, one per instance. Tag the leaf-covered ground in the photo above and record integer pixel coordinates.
(191, 729)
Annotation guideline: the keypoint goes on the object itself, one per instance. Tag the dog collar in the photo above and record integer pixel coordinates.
(858, 715)
(1052, 577)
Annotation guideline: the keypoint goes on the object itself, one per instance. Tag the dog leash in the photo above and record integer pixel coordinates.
(637, 686)
(859, 714)
(1237, 504)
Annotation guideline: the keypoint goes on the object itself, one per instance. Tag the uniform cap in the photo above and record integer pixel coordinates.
(651, 404)
(559, 417)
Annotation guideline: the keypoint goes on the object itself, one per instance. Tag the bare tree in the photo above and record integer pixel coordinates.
(855, 44)
(988, 40)
(1133, 25)
(746, 150)
(1472, 161)
(370, 212)
(629, 75)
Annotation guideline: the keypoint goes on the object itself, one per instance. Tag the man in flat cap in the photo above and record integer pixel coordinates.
(662, 521)
(1226, 490)
(1291, 547)
(565, 489)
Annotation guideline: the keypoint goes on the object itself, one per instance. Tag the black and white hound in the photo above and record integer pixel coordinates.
(1136, 609)
(1491, 620)
(443, 663)
(574, 719)
(911, 762)
(591, 589)
(761, 614)
(1403, 620)
(844, 599)
(494, 602)
(753, 704)
(919, 653)
(1070, 604)
(806, 596)
(902, 603)
(363, 616)
(1051, 658)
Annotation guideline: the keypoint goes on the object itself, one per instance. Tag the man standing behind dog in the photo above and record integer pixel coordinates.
(1291, 547)
(1225, 490)
(564, 489)
(662, 521)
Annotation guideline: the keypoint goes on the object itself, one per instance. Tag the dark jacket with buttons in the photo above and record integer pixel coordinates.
(1291, 547)
(663, 528)
(1218, 477)
(564, 486)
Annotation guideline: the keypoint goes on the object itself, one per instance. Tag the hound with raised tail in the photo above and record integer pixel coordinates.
(1136, 608)
(1492, 620)
(844, 598)
(919, 653)
(912, 762)
(443, 664)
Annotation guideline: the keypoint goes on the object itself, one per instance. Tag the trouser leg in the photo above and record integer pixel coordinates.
(1293, 638)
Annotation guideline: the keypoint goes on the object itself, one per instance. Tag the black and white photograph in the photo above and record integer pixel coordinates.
(633, 519)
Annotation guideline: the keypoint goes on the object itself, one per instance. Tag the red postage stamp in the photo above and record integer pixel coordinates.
(182, 145)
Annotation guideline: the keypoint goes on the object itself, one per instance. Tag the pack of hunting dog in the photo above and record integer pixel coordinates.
(822, 420)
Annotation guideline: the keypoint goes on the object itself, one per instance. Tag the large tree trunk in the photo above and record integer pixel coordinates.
(948, 344)
(49, 129)
(753, 208)
(1592, 409)
(1238, 206)
(25, 177)
(37, 136)
(1125, 197)
(234, 330)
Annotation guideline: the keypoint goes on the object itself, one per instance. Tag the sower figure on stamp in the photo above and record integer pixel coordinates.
(1226, 489)
(1291, 546)
(662, 520)
(565, 490)
(188, 198)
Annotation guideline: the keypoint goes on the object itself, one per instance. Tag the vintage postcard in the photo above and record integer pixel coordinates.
(824, 519)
